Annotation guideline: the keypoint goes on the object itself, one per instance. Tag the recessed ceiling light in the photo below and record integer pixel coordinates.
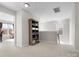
(26, 5)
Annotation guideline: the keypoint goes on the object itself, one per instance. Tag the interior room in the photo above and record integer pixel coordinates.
(39, 29)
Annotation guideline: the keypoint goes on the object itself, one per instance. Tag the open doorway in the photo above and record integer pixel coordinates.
(7, 29)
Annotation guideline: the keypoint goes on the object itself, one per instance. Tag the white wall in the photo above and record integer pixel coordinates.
(18, 29)
(25, 28)
(77, 26)
(22, 32)
(47, 26)
(72, 25)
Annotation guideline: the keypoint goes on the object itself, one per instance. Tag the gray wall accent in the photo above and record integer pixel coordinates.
(48, 36)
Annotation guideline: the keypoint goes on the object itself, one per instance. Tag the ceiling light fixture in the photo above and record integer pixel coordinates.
(56, 10)
(26, 5)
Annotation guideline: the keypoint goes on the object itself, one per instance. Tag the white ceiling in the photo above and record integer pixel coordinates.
(43, 10)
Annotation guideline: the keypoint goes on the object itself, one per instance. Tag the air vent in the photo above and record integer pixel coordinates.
(56, 10)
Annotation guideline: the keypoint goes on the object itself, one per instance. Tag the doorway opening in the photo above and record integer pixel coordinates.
(7, 29)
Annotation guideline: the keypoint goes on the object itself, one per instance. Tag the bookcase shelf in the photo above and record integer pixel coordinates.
(33, 32)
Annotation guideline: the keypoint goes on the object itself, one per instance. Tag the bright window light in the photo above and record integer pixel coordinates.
(7, 26)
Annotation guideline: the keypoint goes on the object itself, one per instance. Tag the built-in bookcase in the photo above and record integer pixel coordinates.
(33, 32)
